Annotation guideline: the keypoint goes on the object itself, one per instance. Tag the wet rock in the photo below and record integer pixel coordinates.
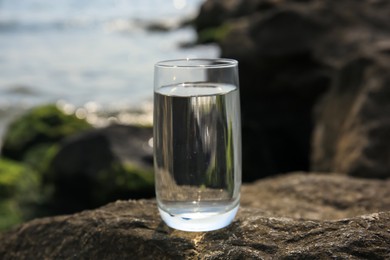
(133, 229)
(102, 165)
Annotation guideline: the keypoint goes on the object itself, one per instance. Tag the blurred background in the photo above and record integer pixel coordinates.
(96, 55)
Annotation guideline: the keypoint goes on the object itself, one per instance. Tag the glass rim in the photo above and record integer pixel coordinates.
(200, 63)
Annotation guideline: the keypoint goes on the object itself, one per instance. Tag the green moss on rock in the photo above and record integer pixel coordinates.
(19, 188)
(122, 181)
(136, 178)
(15, 178)
(10, 214)
(40, 156)
(43, 124)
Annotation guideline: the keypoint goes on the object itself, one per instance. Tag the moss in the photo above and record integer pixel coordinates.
(19, 188)
(213, 34)
(10, 214)
(137, 178)
(14, 177)
(43, 124)
(123, 181)
(40, 156)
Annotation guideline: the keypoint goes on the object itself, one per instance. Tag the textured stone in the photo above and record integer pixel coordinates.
(317, 196)
(133, 229)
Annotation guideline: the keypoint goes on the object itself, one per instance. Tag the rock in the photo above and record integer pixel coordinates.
(289, 53)
(133, 229)
(102, 165)
(317, 196)
(280, 80)
(353, 121)
(41, 125)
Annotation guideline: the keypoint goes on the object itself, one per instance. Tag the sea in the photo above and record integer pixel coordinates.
(91, 58)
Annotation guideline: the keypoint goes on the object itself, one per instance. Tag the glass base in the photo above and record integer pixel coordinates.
(199, 221)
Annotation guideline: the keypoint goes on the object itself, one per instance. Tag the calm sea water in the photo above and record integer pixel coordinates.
(90, 57)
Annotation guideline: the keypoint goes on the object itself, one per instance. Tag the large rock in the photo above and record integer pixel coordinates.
(288, 53)
(353, 120)
(102, 165)
(134, 230)
(280, 80)
(317, 196)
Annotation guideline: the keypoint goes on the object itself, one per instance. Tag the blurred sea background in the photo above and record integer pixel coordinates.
(92, 58)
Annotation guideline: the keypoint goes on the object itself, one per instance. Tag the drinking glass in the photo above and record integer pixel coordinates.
(197, 142)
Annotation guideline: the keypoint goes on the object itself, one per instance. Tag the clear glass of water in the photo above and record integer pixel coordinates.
(197, 142)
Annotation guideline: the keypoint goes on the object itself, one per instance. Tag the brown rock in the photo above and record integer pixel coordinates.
(317, 196)
(353, 121)
(133, 229)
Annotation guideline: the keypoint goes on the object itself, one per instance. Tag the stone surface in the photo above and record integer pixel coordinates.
(317, 196)
(289, 53)
(133, 229)
(102, 165)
